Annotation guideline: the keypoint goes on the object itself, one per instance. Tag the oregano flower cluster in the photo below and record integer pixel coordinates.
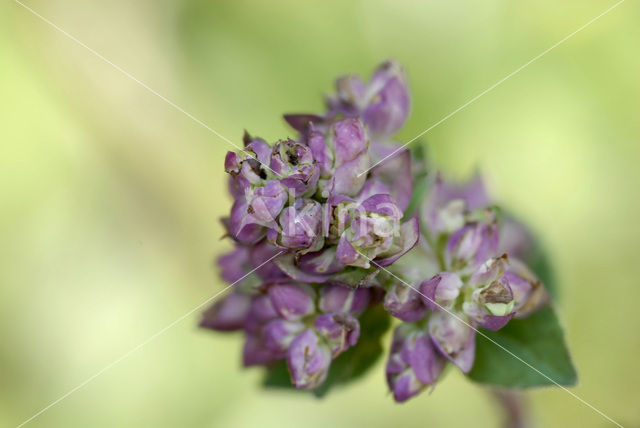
(340, 230)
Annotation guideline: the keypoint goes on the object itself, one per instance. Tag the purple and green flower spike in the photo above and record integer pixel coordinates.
(331, 250)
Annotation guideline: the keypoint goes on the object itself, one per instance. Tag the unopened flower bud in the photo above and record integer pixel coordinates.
(471, 245)
(300, 227)
(383, 103)
(454, 338)
(248, 167)
(529, 294)
(373, 231)
(292, 301)
(308, 359)
(404, 303)
(491, 305)
(278, 334)
(413, 363)
(339, 329)
(227, 314)
(293, 162)
(441, 291)
(336, 298)
(342, 153)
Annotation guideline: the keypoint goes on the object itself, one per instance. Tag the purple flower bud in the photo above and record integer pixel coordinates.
(235, 265)
(227, 314)
(292, 301)
(383, 103)
(342, 154)
(489, 271)
(320, 262)
(441, 291)
(241, 226)
(496, 297)
(529, 294)
(302, 122)
(471, 245)
(483, 317)
(515, 239)
(394, 172)
(260, 312)
(255, 353)
(266, 202)
(388, 100)
(262, 309)
(295, 164)
(248, 167)
(287, 263)
(413, 363)
(340, 330)
(372, 230)
(454, 339)
(261, 253)
(443, 210)
(336, 298)
(261, 208)
(492, 303)
(405, 303)
(300, 227)
(278, 334)
(308, 359)
(351, 92)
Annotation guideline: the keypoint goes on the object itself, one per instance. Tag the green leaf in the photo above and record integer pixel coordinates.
(419, 151)
(420, 187)
(538, 340)
(277, 376)
(351, 364)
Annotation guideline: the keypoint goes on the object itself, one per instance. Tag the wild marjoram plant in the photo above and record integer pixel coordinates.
(466, 284)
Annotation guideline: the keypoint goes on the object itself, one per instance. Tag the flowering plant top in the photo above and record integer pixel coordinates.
(341, 230)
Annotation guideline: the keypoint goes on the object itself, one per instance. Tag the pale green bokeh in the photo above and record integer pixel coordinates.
(110, 197)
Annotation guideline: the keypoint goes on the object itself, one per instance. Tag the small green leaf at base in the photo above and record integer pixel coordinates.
(538, 340)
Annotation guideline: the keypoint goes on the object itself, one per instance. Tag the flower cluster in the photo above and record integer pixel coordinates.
(474, 279)
(320, 237)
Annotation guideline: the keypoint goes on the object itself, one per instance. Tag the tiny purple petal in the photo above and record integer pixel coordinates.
(291, 301)
(267, 202)
(426, 363)
(288, 265)
(337, 298)
(339, 329)
(454, 339)
(409, 235)
(346, 254)
(388, 108)
(227, 314)
(255, 353)
(442, 289)
(404, 303)
(308, 360)
(301, 122)
(235, 264)
(394, 172)
(350, 140)
(321, 262)
(278, 334)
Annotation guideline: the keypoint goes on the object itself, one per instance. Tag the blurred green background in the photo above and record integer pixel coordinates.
(110, 197)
